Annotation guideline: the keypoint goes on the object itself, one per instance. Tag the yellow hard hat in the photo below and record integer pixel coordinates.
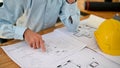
(108, 37)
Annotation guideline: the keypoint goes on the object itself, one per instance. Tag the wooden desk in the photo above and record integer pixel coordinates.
(104, 14)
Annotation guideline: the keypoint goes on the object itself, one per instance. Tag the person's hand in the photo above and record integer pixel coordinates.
(71, 1)
(34, 39)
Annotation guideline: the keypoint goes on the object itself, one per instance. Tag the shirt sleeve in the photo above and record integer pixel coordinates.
(9, 13)
(70, 16)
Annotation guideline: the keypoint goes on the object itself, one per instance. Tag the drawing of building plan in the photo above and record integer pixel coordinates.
(58, 47)
(90, 41)
(86, 59)
(63, 51)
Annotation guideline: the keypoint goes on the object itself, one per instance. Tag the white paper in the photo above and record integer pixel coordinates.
(58, 47)
(95, 21)
(86, 59)
(115, 59)
(29, 58)
(89, 41)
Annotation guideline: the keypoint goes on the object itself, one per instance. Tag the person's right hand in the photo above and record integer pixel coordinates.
(34, 39)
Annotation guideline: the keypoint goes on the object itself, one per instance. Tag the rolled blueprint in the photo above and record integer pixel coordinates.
(108, 0)
(102, 6)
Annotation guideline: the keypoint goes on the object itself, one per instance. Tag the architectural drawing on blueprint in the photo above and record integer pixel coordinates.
(63, 51)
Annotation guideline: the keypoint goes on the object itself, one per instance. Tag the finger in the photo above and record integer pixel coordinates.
(43, 41)
(38, 44)
(31, 45)
(42, 46)
(34, 45)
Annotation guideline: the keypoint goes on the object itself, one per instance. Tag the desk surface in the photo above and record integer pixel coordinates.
(6, 62)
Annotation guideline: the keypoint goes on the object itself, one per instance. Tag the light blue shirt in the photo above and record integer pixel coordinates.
(39, 14)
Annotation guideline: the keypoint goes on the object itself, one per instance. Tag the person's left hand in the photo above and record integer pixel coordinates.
(71, 1)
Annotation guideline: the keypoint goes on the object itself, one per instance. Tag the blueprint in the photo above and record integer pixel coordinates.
(58, 45)
(63, 51)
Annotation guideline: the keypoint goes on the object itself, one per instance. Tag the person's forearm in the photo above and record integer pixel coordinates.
(9, 13)
(9, 31)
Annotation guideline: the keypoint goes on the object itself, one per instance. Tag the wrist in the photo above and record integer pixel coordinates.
(25, 32)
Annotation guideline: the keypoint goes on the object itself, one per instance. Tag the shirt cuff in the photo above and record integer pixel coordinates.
(19, 31)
